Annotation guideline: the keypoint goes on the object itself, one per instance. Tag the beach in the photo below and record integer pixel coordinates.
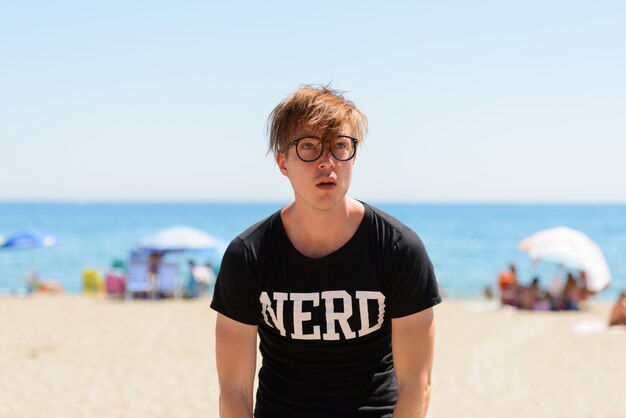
(77, 356)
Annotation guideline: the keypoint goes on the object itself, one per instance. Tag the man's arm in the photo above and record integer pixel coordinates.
(235, 352)
(413, 343)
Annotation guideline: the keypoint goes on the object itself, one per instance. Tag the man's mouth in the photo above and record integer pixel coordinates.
(326, 185)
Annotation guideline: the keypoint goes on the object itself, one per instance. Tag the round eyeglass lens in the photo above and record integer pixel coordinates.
(309, 149)
(342, 148)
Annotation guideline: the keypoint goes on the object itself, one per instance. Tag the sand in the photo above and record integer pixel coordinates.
(528, 364)
(74, 356)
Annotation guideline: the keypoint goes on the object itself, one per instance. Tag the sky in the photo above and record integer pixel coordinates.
(482, 101)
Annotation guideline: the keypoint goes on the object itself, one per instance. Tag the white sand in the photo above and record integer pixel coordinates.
(71, 356)
(81, 357)
(527, 364)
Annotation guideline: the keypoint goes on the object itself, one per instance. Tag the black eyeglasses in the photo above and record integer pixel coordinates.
(310, 148)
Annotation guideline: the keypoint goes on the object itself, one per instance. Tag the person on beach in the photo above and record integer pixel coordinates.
(35, 284)
(339, 293)
(531, 295)
(191, 287)
(198, 280)
(571, 294)
(154, 261)
(509, 287)
(618, 311)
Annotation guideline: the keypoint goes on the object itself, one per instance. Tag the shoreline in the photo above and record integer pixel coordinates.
(76, 356)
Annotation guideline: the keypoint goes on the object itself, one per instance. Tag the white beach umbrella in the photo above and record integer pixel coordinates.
(570, 248)
(180, 238)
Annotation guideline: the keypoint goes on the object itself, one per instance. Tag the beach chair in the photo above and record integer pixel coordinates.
(92, 282)
(115, 284)
(138, 280)
(167, 279)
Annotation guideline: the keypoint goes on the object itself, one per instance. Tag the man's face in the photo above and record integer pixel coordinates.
(321, 184)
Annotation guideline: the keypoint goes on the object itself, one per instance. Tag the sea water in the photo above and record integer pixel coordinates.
(468, 243)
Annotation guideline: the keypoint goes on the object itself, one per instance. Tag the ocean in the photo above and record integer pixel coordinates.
(468, 243)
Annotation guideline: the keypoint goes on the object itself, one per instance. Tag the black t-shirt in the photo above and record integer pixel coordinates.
(325, 324)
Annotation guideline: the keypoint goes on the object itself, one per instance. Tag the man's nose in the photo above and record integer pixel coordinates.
(326, 160)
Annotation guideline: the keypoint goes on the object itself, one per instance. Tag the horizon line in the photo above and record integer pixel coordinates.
(279, 202)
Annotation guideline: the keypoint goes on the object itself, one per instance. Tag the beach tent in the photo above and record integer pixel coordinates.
(29, 238)
(570, 248)
(179, 239)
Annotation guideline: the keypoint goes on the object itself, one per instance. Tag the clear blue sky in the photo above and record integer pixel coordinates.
(467, 101)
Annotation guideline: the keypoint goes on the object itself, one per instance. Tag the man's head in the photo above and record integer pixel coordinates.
(319, 108)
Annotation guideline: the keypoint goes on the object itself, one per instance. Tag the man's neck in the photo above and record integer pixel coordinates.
(316, 233)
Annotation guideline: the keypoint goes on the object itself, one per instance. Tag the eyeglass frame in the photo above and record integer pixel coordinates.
(295, 142)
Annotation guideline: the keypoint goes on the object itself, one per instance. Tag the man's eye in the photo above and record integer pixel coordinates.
(308, 145)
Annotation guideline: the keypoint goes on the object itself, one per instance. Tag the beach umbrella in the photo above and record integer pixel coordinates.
(570, 248)
(180, 238)
(29, 238)
(32, 238)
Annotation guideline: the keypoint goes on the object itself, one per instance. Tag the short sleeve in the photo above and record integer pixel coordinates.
(236, 294)
(412, 285)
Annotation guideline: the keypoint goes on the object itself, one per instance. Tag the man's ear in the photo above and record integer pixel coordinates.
(281, 160)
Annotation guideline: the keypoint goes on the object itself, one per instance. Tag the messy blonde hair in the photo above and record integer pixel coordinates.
(319, 107)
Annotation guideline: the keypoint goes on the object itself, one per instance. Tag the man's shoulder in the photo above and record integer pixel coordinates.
(393, 235)
(252, 245)
(382, 219)
(256, 233)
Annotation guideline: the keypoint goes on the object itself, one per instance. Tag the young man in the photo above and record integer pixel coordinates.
(340, 293)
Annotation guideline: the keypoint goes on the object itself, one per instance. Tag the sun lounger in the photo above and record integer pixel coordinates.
(138, 280)
(167, 279)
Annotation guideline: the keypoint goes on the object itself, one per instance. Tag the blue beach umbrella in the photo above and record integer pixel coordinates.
(25, 239)
(29, 238)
